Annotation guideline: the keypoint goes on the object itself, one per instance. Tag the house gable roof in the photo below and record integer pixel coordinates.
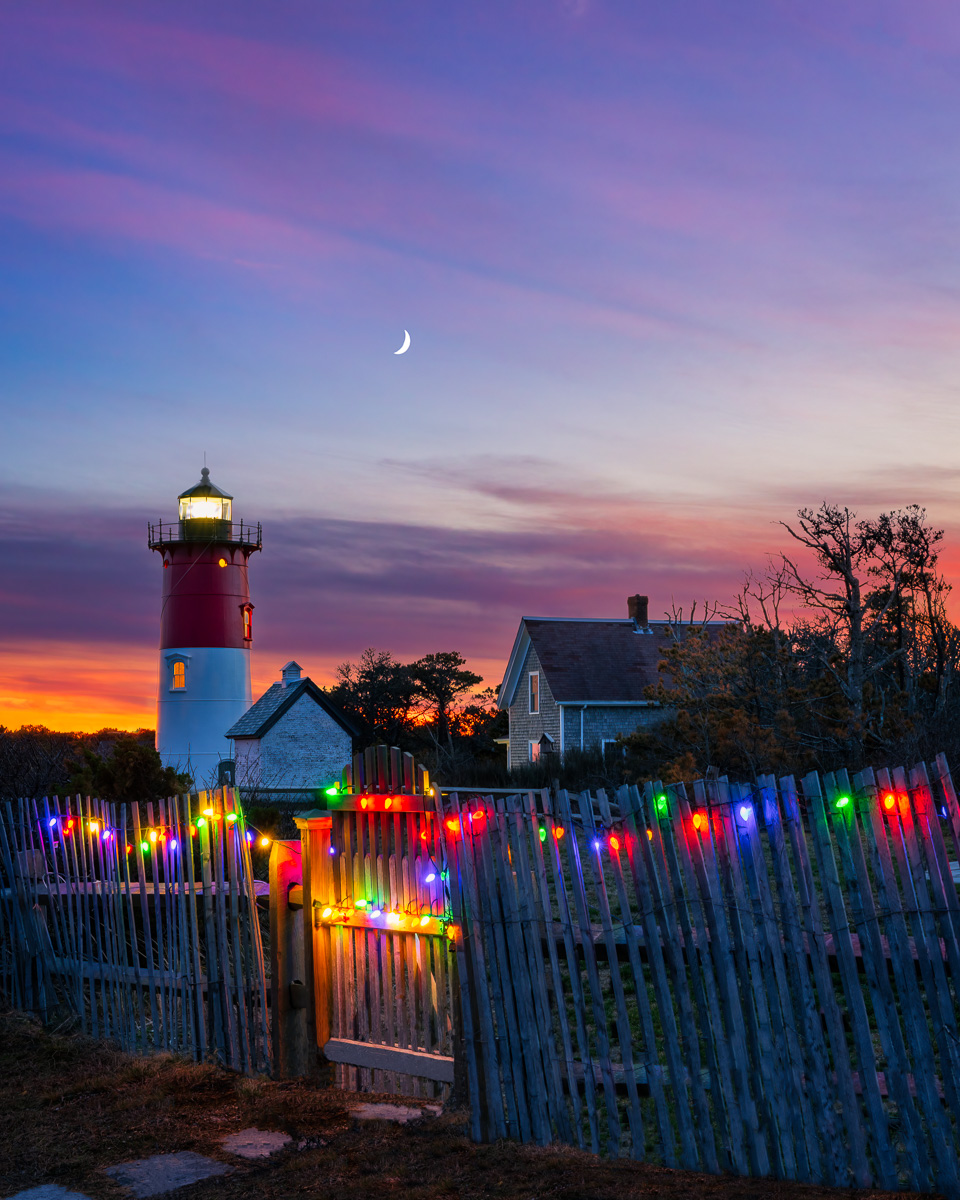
(277, 700)
(589, 661)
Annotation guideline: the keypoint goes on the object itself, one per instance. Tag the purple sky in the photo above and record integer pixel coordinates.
(669, 270)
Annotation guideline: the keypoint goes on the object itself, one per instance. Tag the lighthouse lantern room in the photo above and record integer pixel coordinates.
(206, 629)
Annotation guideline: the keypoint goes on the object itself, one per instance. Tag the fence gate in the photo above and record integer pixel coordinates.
(138, 921)
(373, 982)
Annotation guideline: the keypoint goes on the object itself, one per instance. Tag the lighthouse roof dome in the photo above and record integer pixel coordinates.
(204, 488)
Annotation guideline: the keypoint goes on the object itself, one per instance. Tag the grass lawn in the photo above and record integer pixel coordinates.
(70, 1106)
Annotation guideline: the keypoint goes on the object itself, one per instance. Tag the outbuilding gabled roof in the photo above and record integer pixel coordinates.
(276, 700)
(589, 661)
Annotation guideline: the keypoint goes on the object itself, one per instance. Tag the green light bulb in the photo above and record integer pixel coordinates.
(843, 801)
(661, 804)
(144, 847)
(543, 833)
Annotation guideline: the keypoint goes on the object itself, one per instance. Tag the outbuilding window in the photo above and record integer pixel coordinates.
(179, 676)
(534, 691)
(534, 751)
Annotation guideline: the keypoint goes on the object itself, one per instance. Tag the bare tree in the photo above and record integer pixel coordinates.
(866, 570)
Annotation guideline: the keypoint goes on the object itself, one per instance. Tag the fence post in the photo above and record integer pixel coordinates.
(317, 971)
(289, 995)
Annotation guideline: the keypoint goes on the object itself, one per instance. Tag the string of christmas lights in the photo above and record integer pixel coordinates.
(153, 835)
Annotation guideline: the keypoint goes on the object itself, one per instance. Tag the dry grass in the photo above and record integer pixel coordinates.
(70, 1106)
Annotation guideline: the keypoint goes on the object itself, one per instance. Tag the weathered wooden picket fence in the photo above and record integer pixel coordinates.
(137, 921)
(756, 980)
(375, 956)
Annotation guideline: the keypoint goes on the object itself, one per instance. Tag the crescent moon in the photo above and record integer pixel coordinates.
(406, 344)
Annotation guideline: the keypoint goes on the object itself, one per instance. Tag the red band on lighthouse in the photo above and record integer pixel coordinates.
(203, 602)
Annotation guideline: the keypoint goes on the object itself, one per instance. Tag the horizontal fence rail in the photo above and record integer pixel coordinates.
(137, 921)
(756, 979)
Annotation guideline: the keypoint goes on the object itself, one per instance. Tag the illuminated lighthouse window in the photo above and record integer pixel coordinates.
(179, 676)
(205, 507)
(248, 622)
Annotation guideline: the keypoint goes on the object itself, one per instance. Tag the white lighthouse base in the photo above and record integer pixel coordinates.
(192, 720)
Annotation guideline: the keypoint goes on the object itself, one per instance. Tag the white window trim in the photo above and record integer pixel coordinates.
(605, 742)
(171, 660)
(533, 711)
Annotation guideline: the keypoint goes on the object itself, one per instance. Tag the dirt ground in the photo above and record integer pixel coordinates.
(70, 1106)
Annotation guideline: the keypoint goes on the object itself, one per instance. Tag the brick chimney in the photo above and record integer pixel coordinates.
(290, 674)
(637, 610)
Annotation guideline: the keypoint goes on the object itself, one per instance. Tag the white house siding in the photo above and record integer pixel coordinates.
(527, 727)
(305, 748)
(247, 756)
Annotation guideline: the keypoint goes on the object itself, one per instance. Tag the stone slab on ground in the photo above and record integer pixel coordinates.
(48, 1191)
(393, 1112)
(255, 1143)
(165, 1172)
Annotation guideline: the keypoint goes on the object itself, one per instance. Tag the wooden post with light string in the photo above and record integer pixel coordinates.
(365, 901)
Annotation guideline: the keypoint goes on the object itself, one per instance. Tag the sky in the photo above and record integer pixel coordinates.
(670, 271)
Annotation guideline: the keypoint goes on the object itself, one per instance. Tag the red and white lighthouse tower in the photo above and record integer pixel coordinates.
(206, 629)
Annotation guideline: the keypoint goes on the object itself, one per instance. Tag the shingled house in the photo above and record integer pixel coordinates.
(293, 739)
(581, 682)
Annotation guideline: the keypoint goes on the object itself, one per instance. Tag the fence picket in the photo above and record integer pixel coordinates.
(571, 844)
(528, 808)
(622, 1017)
(819, 1120)
(680, 1035)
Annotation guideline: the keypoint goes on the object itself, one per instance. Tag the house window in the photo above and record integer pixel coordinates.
(179, 676)
(534, 691)
(248, 623)
(534, 751)
(611, 749)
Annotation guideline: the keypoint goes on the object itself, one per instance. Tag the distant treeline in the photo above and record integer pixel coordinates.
(36, 761)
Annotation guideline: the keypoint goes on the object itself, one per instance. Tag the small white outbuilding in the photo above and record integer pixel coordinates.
(292, 739)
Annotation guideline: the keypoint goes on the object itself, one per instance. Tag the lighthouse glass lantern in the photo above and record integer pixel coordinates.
(205, 510)
(206, 629)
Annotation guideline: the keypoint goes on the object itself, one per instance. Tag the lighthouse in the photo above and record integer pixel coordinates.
(206, 629)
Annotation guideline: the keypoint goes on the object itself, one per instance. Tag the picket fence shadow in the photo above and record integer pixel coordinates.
(761, 980)
(136, 922)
